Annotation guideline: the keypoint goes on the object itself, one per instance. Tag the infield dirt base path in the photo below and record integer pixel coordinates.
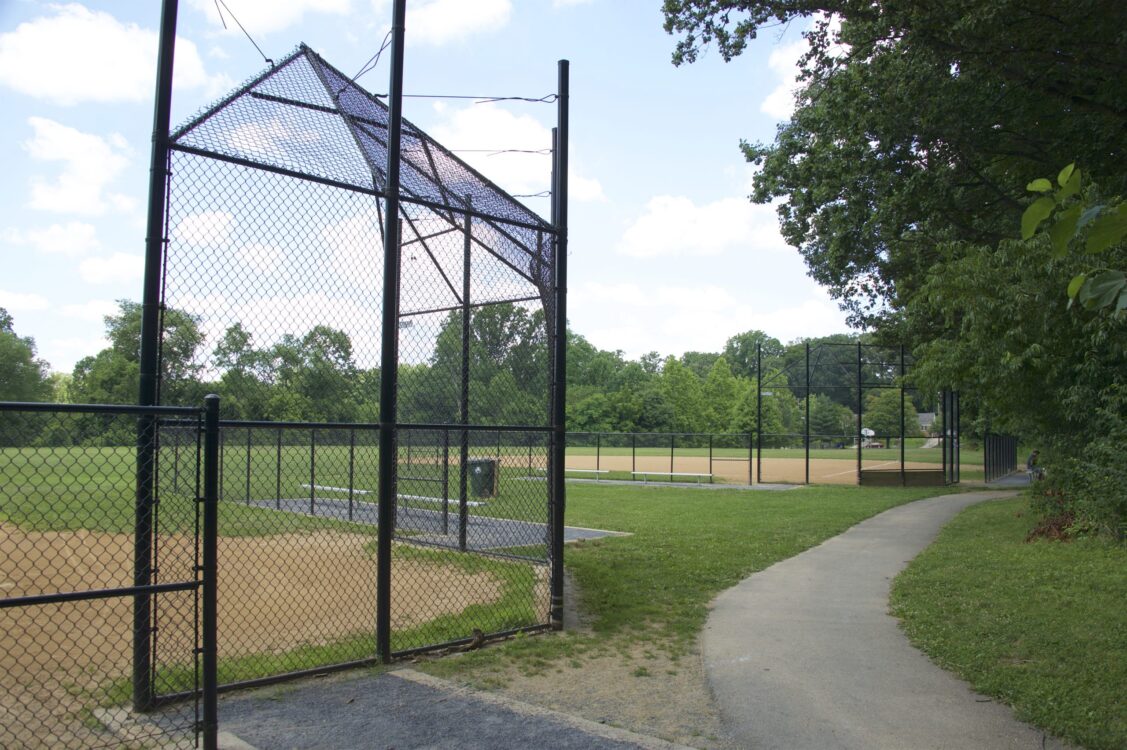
(276, 593)
(804, 654)
(735, 470)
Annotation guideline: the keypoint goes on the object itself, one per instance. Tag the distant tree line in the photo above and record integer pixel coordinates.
(314, 377)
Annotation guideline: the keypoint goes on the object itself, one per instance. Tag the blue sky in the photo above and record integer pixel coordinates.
(666, 253)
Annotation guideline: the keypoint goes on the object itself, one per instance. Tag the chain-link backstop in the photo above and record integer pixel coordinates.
(272, 295)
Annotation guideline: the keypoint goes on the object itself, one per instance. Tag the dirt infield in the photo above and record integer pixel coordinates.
(276, 594)
(735, 470)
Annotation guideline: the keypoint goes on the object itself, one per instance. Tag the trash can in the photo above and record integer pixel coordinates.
(483, 477)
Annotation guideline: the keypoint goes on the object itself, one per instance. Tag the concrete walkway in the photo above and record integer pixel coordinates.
(805, 655)
(404, 710)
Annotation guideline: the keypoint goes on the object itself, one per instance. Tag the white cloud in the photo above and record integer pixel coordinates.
(118, 267)
(63, 353)
(356, 244)
(72, 239)
(90, 164)
(676, 226)
(672, 319)
(94, 310)
(783, 62)
(262, 17)
(439, 22)
(487, 126)
(261, 257)
(79, 55)
(18, 301)
(206, 228)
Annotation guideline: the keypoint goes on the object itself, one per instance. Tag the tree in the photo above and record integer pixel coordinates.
(683, 392)
(1052, 373)
(23, 377)
(829, 419)
(242, 389)
(913, 125)
(882, 414)
(699, 362)
(315, 377)
(740, 351)
(721, 393)
(778, 412)
(112, 376)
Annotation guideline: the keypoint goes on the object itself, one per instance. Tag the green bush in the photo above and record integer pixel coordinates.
(1091, 487)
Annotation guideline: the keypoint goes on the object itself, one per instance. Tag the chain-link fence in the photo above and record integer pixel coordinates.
(102, 595)
(272, 296)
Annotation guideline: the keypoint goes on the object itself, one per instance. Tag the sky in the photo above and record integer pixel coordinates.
(666, 253)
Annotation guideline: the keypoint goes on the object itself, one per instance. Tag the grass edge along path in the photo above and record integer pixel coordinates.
(686, 546)
(1038, 625)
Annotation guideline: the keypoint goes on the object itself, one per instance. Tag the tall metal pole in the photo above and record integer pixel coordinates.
(903, 423)
(860, 411)
(464, 393)
(209, 573)
(389, 354)
(150, 348)
(806, 428)
(559, 419)
(759, 412)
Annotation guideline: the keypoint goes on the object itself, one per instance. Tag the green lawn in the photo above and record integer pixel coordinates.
(687, 545)
(1040, 625)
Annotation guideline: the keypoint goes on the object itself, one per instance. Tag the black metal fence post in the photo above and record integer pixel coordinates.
(806, 423)
(464, 404)
(559, 413)
(249, 444)
(312, 472)
(903, 421)
(209, 575)
(759, 412)
(860, 412)
(278, 473)
(446, 480)
(149, 383)
(351, 469)
(389, 354)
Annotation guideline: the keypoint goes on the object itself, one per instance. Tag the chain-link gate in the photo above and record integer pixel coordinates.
(103, 597)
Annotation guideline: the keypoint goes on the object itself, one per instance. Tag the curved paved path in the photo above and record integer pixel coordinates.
(805, 655)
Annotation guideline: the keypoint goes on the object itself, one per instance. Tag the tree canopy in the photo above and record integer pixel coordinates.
(23, 376)
(927, 137)
(919, 123)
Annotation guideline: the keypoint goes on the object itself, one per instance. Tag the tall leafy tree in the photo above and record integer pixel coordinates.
(741, 351)
(23, 376)
(919, 123)
(112, 375)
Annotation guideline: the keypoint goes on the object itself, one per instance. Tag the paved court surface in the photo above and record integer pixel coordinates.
(435, 527)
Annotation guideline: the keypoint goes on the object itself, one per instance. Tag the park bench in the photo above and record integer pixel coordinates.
(647, 474)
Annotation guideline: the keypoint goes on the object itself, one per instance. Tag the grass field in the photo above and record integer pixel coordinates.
(1038, 625)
